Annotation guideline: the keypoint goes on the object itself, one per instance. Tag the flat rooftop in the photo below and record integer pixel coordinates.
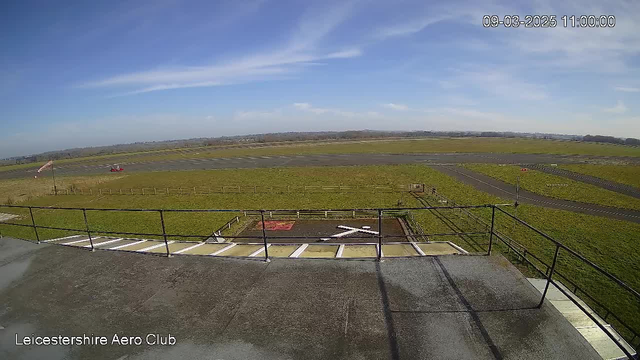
(445, 307)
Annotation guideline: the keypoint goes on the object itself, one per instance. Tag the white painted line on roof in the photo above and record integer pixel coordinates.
(222, 250)
(340, 250)
(299, 250)
(357, 229)
(127, 245)
(458, 247)
(415, 246)
(62, 238)
(189, 248)
(103, 243)
(75, 242)
(155, 246)
(259, 251)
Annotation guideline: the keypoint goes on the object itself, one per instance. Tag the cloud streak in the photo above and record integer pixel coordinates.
(626, 89)
(620, 108)
(398, 107)
(306, 107)
(300, 52)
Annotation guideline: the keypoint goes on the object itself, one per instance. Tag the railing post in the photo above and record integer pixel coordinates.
(86, 224)
(493, 218)
(379, 235)
(553, 266)
(33, 222)
(164, 232)
(264, 238)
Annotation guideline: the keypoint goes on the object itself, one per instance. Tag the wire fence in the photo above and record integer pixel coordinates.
(240, 189)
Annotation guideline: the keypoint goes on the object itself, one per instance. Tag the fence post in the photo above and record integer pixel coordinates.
(264, 238)
(35, 229)
(553, 266)
(155, 191)
(86, 224)
(91, 191)
(120, 191)
(142, 191)
(194, 190)
(379, 235)
(164, 232)
(493, 217)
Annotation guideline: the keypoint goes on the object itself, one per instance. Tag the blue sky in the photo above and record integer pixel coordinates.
(91, 73)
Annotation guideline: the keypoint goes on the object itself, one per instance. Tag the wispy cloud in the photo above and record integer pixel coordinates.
(620, 108)
(398, 107)
(300, 51)
(411, 27)
(498, 82)
(306, 107)
(626, 89)
(258, 114)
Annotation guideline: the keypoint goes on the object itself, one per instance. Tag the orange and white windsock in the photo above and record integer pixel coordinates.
(45, 166)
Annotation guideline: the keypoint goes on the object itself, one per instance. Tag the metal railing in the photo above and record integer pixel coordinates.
(377, 213)
(235, 189)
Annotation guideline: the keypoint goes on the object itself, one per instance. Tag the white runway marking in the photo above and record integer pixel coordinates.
(127, 245)
(299, 250)
(103, 243)
(222, 250)
(357, 230)
(155, 246)
(189, 248)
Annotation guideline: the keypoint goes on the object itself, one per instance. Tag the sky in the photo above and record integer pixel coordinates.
(94, 73)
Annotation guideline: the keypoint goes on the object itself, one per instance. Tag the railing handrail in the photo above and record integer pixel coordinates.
(576, 254)
(253, 210)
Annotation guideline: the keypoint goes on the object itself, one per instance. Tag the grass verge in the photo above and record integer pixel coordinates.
(556, 186)
(624, 174)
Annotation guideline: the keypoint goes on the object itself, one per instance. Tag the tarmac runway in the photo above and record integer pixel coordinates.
(101, 167)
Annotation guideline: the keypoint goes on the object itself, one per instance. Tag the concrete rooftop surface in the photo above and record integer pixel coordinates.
(446, 307)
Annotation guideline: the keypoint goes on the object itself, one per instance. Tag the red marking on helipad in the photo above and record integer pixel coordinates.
(275, 225)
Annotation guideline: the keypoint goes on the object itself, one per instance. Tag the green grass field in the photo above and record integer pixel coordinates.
(610, 243)
(624, 174)
(556, 186)
(428, 145)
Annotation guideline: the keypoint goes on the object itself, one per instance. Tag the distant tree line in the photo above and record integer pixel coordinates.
(611, 140)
